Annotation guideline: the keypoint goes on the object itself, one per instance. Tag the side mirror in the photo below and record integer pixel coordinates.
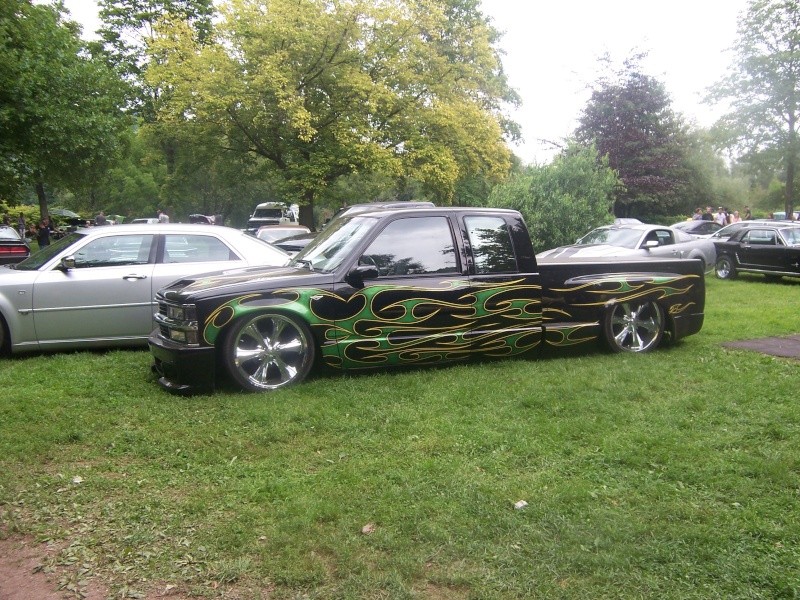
(651, 244)
(67, 263)
(359, 274)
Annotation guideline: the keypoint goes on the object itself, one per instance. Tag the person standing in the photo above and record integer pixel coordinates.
(43, 233)
(707, 216)
(747, 214)
(735, 218)
(100, 219)
(721, 218)
(162, 216)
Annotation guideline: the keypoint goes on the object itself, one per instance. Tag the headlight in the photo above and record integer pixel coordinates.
(185, 337)
(182, 313)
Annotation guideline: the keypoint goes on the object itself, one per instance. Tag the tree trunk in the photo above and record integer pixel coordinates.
(307, 211)
(791, 164)
(42, 196)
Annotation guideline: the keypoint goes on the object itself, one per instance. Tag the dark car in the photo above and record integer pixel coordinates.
(12, 247)
(698, 228)
(772, 250)
(295, 243)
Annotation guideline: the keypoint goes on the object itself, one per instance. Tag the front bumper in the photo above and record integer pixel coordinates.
(182, 369)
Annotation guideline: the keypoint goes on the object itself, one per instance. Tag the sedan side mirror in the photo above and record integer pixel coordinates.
(67, 263)
(651, 244)
(359, 274)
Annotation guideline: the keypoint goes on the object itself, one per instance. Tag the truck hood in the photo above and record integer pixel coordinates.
(234, 280)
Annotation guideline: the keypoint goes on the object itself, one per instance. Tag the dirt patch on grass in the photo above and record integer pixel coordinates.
(24, 575)
(786, 347)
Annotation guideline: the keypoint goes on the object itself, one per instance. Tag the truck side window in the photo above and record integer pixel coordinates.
(492, 249)
(413, 246)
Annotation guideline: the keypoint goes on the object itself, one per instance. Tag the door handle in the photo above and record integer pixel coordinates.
(134, 276)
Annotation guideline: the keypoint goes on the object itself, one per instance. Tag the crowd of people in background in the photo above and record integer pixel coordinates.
(722, 216)
(45, 230)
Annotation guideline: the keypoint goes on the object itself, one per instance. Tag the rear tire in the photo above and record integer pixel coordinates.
(725, 268)
(268, 351)
(634, 327)
(5, 338)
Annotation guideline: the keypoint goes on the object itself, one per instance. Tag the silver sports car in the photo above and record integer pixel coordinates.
(95, 287)
(632, 241)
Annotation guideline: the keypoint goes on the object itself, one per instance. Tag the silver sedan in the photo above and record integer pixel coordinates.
(635, 242)
(95, 287)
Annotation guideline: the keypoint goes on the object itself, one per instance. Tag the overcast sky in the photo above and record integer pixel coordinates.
(552, 49)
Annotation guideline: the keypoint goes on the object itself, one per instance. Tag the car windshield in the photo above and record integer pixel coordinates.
(791, 235)
(9, 233)
(37, 259)
(331, 247)
(625, 238)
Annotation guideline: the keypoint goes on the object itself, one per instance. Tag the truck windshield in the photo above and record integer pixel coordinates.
(267, 213)
(335, 243)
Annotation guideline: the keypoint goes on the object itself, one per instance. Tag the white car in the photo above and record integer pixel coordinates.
(95, 287)
(635, 242)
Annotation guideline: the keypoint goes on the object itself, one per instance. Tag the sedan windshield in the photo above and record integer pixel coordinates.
(791, 235)
(625, 238)
(331, 247)
(37, 259)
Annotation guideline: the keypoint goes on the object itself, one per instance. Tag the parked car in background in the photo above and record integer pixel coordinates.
(295, 243)
(12, 247)
(630, 241)
(770, 249)
(143, 220)
(273, 233)
(95, 287)
(270, 213)
(698, 228)
(729, 230)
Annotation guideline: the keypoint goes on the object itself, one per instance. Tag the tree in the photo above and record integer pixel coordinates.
(317, 90)
(59, 110)
(764, 89)
(629, 119)
(129, 26)
(563, 200)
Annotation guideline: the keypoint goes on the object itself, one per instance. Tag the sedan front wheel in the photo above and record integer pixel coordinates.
(268, 351)
(634, 327)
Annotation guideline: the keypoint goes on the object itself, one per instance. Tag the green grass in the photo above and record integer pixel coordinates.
(669, 475)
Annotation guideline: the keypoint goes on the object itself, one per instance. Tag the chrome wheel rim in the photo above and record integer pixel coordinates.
(636, 328)
(270, 351)
(723, 268)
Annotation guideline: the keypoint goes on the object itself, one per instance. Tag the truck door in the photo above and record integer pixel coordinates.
(508, 300)
(418, 310)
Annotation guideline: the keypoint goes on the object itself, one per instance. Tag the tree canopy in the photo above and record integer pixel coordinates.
(563, 200)
(59, 110)
(316, 90)
(630, 119)
(763, 89)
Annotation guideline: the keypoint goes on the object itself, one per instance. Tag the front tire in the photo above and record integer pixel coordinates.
(725, 268)
(634, 327)
(268, 351)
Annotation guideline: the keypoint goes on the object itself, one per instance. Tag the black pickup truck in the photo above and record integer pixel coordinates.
(412, 287)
